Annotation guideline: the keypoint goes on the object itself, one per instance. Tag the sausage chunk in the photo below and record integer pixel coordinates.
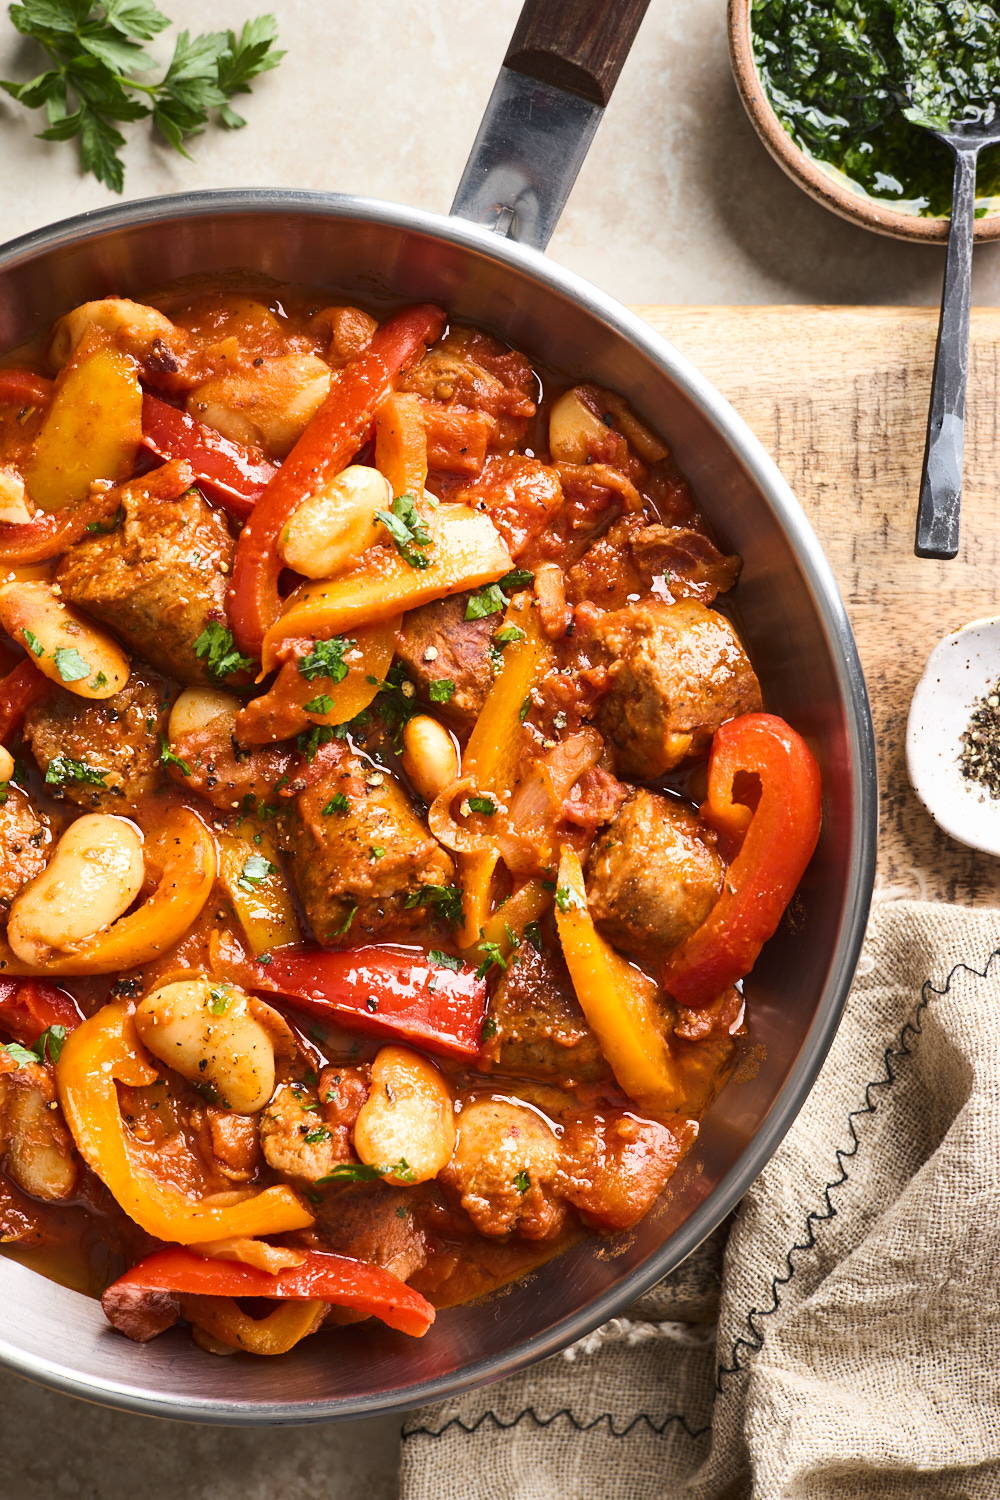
(437, 643)
(23, 838)
(615, 1166)
(505, 1169)
(654, 874)
(354, 869)
(638, 557)
(374, 1222)
(225, 773)
(540, 1028)
(677, 672)
(293, 1137)
(116, 739)
(160, 577)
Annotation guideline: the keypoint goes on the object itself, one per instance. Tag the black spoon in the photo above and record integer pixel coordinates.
(939, 511)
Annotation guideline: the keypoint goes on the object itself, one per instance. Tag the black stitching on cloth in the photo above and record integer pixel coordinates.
(754, 1344)
(529, 1411)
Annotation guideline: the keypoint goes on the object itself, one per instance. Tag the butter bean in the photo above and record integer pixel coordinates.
(62, 642)
(94, 875)
(429, 757)
(407, 1117)
(198, 706)
(334, 526)
(134, 327)
(212, 1033)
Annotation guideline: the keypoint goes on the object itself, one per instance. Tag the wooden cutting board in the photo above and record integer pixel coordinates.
(838, 396)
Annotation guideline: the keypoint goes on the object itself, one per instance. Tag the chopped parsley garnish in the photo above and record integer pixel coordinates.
(568, 900)
(396, 702)
(319, 705)
(168, 758)
(219, 1000)
(490, 600)
(326, 659)
(337, 804)
(350, 1171)
(310, 740)
(489, 1028)
(104, 528)
(345, 924)
(216, 649)
(508, 635)
(484, 805)
(525, 709)
(533, 933)
(517, 578)
(63, 769)
(33, 641)
(492, 958)
(444, 900)
(21, 1055)
(447, 959)
(46, 1047)
(377, 851)
(254, 872)
(70, 664)
(522, 1181)
(314, 1137)
(442, 690)
(100, 680)
(405, 525)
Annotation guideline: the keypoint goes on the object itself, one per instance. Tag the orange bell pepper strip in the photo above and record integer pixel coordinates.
(187, 851)
(618, 1000)
(279, 1331)
(401, 444)
(101, 1050)
(228, 473)
(526, 905)
(779, 836)
(322, 1276)
(491, 757)
(466, 550)
(330, 441)
(282, 711)
(20, 689)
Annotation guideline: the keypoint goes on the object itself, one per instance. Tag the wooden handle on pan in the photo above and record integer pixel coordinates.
(578, 45)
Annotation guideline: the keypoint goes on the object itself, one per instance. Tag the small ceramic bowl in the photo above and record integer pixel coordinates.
(831, 189)
(960, 672)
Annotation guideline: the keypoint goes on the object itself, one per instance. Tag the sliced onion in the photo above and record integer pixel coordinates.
(454, 835)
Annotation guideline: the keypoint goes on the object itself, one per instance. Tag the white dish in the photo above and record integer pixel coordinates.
(960, 671)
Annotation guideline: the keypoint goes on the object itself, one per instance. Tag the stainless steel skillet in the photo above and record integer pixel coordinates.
(562, 65)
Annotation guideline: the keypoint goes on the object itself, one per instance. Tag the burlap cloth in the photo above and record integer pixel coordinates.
(858, 1337)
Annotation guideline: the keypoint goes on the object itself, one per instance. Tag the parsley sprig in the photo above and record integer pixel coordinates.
(405, 525)
(92, 86)
(216, 648)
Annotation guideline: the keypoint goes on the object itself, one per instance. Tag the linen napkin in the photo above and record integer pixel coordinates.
(857, 1346)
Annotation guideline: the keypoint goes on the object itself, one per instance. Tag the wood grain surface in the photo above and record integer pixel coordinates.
(838, 396)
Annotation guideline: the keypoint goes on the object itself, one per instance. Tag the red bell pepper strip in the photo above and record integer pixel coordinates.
(50, 532)
(23, 387)
(30, 1006)
(386, 992)
(330, 441)
(18, 691)
(322, 1276)
(226, 471)
(779, 837)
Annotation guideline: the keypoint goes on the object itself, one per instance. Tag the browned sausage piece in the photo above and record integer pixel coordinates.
(653, 875)
(677, 672)
(615, 1166)
(540, 1028)
(23, 840)
(354, 869)
(160, 577)
(117, 738)
(210, 762)
(438, 644)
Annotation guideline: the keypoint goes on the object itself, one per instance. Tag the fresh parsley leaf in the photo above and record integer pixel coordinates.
(568, 900)
(507, 636)
(319, 705)
(492, 958)
(490, 600)
(444, 900)
(517, 578)
(525, 709)
(345, 924)
(100, 680)
(396, 702)
(255, 871)
(50, 1044)
(358, 1172)
(33, 642)
(220, 999)
(326, 659)
(405, 525)
(484, 805)
(21, 1055)
(313, 1137)
(489, 1028)
(522, 1181)
(338, 803)
(216, 649)
(96, 52)
(168, 758)
(104, 528)
(377, 851)
(63, 769)
(70, 664)
(310, 740)
(449, 961)
(533, 933)
(441, 691)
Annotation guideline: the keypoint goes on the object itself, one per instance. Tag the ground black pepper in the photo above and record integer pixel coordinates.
(980, 757)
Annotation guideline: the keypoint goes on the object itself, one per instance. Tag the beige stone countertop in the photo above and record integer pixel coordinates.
(677, 203)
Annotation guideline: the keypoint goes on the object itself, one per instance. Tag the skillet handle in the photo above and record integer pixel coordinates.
(561, 67)
(576, 45)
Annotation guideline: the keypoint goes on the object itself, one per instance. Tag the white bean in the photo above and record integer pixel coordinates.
(94, 875)
(212, 1033)
(334, 526)
(13, 505)
(6, 765)
(429, 757)
(198, 706)
(62, 642)
(134, 326)
(408, 1118)
(574, 431)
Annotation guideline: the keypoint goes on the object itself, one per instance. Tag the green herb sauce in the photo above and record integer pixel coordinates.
(853, 81)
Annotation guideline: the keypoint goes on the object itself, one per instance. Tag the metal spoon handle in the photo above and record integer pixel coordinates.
(939, 512)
